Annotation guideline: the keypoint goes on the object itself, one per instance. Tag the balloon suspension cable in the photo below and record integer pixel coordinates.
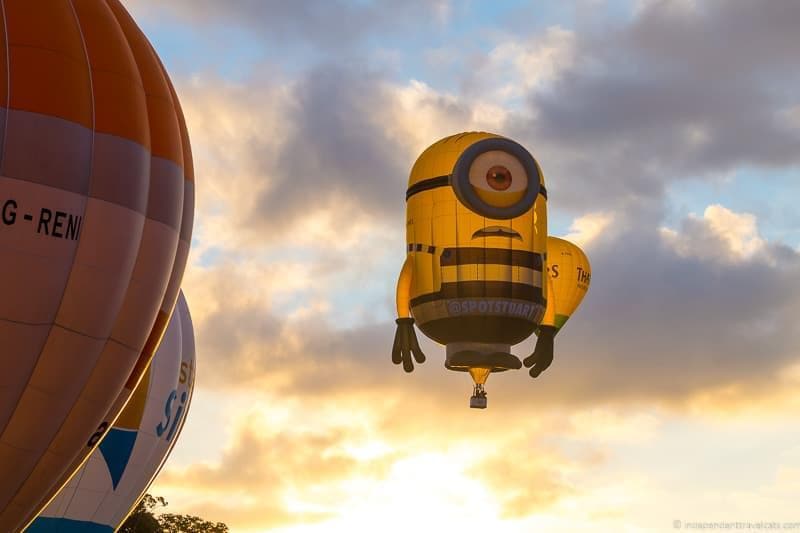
(478, 399)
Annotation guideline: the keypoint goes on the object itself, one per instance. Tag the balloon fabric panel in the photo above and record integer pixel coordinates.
(117, 474)
(570, 275)
(96, 206)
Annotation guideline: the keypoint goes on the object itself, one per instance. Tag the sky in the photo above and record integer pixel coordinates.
(669, 136)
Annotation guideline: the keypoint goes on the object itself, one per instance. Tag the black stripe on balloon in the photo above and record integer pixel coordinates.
(444, 181)
(426, 185)
(491, 256)
(483, 289)
(422, 248)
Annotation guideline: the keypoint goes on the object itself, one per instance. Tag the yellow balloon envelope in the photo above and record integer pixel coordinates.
(569, 276)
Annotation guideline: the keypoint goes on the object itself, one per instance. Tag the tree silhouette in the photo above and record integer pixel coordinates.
(143, 520)
(175, 523)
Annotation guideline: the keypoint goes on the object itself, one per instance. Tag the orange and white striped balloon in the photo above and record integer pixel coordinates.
(96, 208)
(108, 486)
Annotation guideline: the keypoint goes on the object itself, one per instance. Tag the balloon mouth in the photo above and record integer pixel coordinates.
(497, 231)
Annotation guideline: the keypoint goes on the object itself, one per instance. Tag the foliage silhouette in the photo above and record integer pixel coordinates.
(144, 520)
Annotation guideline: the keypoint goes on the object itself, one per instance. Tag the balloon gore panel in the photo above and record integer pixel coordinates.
(96, 207)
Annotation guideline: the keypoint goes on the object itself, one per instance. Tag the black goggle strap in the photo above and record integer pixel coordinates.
(444, 181)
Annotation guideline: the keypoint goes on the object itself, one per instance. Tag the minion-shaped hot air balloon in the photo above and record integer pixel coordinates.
(476, 227)
(569, 274)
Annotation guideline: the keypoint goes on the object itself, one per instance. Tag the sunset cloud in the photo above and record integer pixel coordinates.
(673, 386)
(677, 280)
(667, 96)
(308, 22)
(719, 230)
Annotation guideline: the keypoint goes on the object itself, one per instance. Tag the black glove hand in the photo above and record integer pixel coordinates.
(542, 355)
(406, 345)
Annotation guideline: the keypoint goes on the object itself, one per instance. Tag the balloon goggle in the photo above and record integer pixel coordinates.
(484, 183)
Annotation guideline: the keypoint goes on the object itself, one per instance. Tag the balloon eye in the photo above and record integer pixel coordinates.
(499, 178)
(496, 178)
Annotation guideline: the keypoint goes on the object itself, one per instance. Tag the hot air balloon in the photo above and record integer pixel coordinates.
(570, 275)
(96, 207)
(108, 486)
(476, 234)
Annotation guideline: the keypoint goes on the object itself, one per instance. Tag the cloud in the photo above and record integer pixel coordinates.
(614, 112)
(667, 96)
(588, 227)
(310, 159)
(325, 465)
(612, 117)
(529, 486)
(302, 169)
(338, 152)
(320, 163)
(317, 161)
(262, 469)
(234, 128)
(324, 24)
(673, 313)
(323, 459)
(720, 233)
(517, 65)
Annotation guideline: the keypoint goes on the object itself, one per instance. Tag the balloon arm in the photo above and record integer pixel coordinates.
(404, 289)
(406, 346)
(542, 355)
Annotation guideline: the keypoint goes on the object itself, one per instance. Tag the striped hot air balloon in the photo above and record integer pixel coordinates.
(104, 491)
(96, 207)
